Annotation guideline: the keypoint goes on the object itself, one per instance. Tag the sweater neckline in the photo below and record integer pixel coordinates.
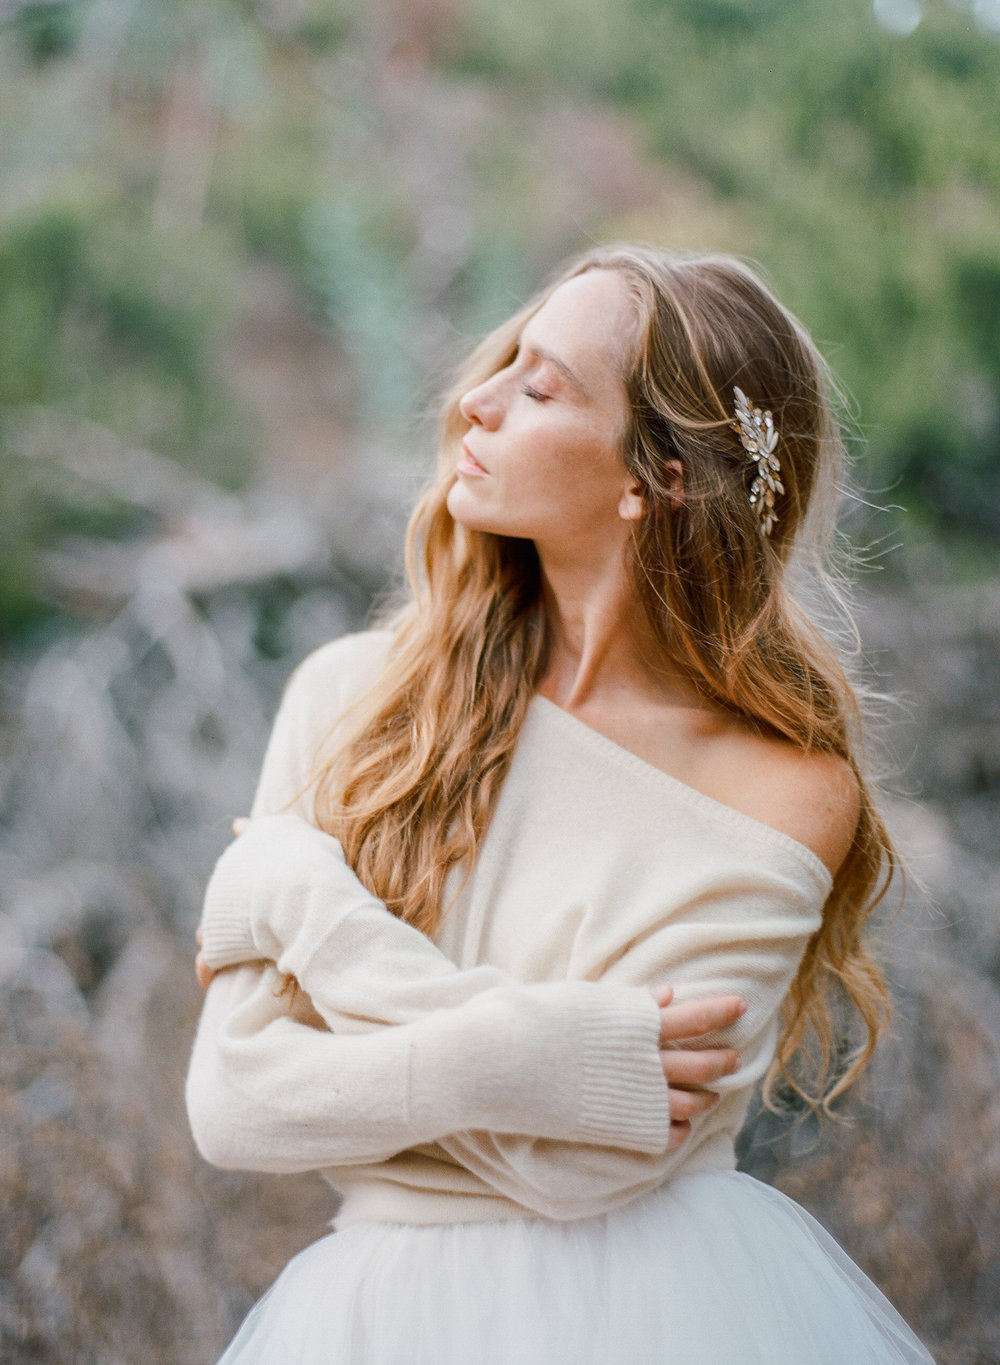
(691, 795)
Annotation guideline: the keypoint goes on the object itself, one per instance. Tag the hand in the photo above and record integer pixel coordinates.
(202, 970)
(689, 1071)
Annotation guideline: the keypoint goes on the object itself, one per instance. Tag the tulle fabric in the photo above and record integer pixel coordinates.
(711, 1268)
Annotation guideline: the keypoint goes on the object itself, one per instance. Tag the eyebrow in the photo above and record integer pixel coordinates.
(540, 353)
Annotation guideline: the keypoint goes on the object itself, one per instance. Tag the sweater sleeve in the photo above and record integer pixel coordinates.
(574, 1059)
(270, 1089)
(571, 1059)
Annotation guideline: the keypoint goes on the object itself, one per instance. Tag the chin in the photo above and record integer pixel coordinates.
(464, 510)
(469, 512)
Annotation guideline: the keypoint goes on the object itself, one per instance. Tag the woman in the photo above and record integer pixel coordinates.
(593, 793)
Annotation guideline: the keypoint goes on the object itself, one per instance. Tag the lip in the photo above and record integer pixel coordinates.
(468, 464)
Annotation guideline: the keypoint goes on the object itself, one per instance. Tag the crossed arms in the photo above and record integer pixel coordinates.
(556, 1094)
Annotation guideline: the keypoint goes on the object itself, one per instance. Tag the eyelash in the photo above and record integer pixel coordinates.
(533, 393)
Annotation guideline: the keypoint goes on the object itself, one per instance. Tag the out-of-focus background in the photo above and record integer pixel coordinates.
(241, 242)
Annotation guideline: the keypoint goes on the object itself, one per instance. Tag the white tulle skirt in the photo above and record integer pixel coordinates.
(712, 1268)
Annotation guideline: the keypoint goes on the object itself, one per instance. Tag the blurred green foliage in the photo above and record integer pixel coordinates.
(868, 171)
(96, 325)
(412, 169)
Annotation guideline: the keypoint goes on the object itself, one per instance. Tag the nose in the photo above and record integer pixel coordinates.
(479, 405)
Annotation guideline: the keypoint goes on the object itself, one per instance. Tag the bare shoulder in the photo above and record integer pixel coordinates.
(813, 797)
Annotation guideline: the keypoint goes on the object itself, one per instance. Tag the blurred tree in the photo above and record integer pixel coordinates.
(412, 171)
(46, 28)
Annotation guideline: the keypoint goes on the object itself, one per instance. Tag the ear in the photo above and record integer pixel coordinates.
(632, 506)
(674, 478)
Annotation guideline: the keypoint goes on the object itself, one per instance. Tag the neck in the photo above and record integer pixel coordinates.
(603, 647)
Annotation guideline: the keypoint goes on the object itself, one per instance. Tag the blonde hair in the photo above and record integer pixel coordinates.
(414, 783)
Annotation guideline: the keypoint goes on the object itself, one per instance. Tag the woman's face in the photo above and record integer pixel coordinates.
(541, 459)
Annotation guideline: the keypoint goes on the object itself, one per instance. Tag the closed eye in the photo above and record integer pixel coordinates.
(533, 393)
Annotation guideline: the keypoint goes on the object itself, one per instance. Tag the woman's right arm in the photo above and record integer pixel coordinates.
(270, 1089)
(571, 1060)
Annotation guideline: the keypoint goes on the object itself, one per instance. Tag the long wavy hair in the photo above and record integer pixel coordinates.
(420, 761)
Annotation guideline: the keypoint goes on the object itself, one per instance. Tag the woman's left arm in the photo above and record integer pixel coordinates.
(457, 1064)
(562, 1180)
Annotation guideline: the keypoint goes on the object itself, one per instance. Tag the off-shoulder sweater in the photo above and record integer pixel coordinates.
(509, 1067)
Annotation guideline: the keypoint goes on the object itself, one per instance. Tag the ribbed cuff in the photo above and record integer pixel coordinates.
(226, 936)
(285, 846)
(572, 1061)
(624, 1098)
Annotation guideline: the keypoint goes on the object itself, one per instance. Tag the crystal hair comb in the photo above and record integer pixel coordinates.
(759, 436)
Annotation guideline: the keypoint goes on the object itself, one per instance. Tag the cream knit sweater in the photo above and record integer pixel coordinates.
(510, 1067)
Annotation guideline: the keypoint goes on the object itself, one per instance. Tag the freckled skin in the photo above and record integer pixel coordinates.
(546, 466)
(550, 449)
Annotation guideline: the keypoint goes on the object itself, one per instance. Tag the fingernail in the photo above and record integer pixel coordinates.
(741, 1008)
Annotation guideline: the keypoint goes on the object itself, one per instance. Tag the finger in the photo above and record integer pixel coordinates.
(688, 1104)
(699, 1017)
(663, 995)
(698, 1067)
(241, 824)
(203, 972)
(678, 1134)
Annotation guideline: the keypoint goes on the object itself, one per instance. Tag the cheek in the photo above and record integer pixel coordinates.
(595, 471)
(544, 482)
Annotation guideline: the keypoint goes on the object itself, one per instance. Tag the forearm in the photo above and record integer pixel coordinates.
(269, 1090)
(561, 1180)
(558, 1177)
(601, 1136)
(283, 893)
(285, 888)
